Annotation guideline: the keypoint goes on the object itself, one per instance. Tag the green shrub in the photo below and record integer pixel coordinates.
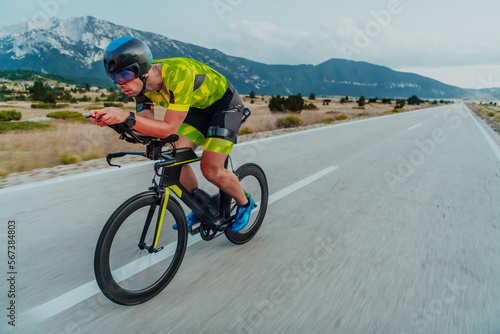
(10, 115)
(341, 117)
(345, 100)
(43, 105)
(328, 120)
(491, 114)
(67, 115)
(293, 103)
(245, 131)
(400, 104)
(22, 126)
(66, 158)
(395, 110)
(311, 106)
(111, 104)
(289, 121)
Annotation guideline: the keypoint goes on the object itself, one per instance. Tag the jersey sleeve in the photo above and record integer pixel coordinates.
(179, 82)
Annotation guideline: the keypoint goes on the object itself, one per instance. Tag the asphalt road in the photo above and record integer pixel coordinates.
(386, 225)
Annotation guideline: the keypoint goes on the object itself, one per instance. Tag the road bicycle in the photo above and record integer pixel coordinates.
(138, 252)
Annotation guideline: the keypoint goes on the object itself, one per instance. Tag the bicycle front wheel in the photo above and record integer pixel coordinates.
(254, 183)
(127, 268)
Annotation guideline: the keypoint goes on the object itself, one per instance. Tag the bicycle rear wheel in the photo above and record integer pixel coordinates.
(254, 184)
(127, 272)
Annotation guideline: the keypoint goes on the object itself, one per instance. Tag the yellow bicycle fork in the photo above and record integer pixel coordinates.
(166, 197)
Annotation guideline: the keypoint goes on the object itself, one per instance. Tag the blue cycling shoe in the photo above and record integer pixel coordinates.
(242, 216)
(191, 220)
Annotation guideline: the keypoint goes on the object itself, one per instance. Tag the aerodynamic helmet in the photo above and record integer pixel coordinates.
(127, 58)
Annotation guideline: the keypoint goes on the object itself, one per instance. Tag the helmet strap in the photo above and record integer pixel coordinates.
(144, 81)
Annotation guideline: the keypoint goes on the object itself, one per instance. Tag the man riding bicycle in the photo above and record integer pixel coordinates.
(202, 108)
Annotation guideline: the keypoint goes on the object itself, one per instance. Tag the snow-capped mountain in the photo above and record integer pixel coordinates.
(74, 47)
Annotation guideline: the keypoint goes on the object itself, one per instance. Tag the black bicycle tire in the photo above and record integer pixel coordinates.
(110, 288)
(249, 169)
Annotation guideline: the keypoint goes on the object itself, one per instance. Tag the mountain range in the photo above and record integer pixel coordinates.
(74, 48)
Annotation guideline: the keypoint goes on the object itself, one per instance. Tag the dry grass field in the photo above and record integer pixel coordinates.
(67, 142)
(490, 113)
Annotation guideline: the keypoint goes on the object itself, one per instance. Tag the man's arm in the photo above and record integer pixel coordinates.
(160, 129)
(148, 126)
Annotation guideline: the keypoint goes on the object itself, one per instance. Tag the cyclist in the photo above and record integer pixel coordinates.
(202, 108)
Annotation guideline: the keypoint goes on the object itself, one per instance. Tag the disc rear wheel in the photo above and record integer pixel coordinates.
(254, 183)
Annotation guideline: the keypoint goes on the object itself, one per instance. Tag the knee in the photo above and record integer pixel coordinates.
(209, 171)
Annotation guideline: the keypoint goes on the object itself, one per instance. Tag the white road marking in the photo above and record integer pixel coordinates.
(487, 136)
(80, 294)
(415, 126)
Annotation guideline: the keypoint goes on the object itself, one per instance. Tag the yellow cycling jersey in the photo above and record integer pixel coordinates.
(187, 83)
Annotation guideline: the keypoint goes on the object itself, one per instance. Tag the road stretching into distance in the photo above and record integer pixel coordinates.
(385, 225)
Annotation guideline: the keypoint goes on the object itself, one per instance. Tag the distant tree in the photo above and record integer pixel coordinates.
(312, 96)
(252, 94)
(400, 104)
(66, 95)
(276, 103)
(361, 101)
(114, 96)
(326, 102)
(38, 91)
(345, 100)
(21, 97)
(294, 103)
(414, 100)
(50, 97)
(386, 101)
(5, 90)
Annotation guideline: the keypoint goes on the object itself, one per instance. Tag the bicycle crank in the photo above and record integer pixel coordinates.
(206, 233)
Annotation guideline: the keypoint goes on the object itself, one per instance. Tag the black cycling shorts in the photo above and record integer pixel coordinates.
(216, 126)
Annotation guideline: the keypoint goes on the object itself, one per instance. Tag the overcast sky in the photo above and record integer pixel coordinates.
(456, 42)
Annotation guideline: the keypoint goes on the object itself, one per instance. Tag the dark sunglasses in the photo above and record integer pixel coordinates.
(124, 76)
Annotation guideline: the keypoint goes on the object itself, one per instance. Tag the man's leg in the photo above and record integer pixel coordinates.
(187, 178)
(212, 167)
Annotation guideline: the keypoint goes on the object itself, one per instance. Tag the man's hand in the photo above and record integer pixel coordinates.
(108, 116)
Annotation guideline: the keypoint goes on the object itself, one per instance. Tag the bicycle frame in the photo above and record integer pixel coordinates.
(214, 216)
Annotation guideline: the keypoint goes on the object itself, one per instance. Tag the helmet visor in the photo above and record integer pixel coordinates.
(123, 76)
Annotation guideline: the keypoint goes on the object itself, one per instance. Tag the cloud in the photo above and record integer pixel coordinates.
(266, 42)
(372, 37)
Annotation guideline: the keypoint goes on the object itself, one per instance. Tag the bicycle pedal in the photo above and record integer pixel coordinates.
(156, 250)
(195, 229)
